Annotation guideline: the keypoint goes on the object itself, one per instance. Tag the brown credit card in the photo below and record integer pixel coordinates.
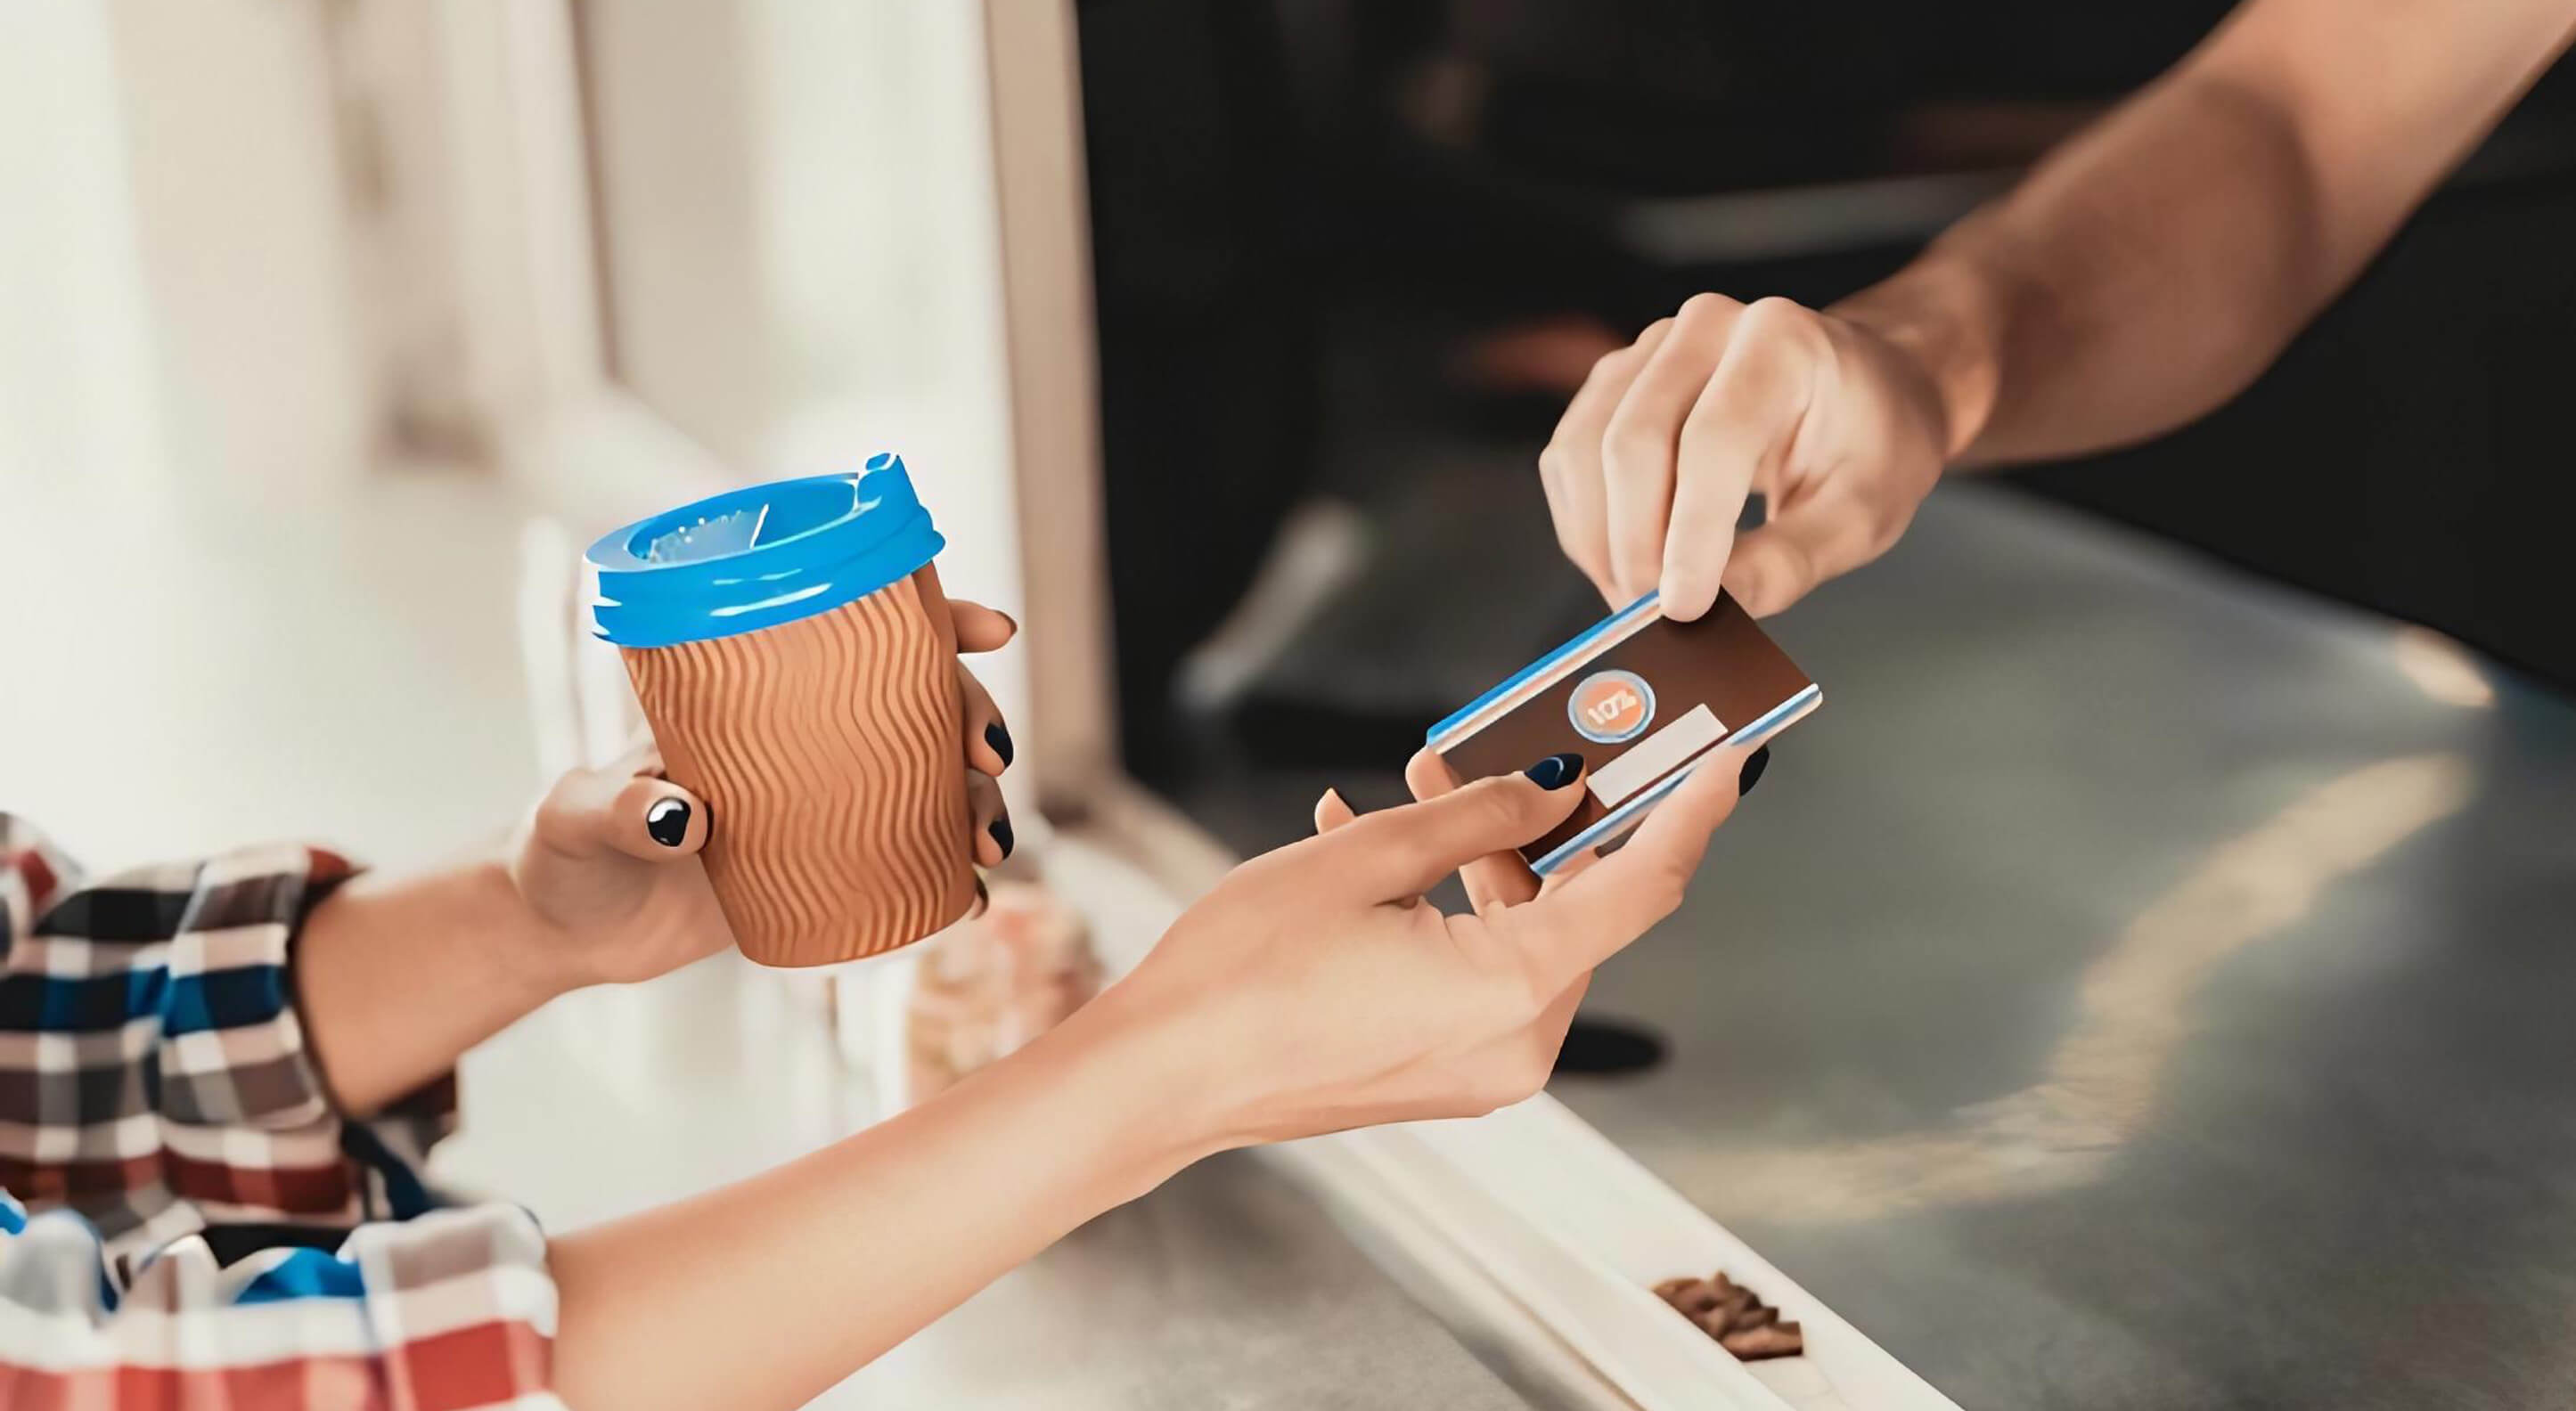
(1643, 699)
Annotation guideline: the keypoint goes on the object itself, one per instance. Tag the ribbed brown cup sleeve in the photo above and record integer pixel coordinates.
(828, 751)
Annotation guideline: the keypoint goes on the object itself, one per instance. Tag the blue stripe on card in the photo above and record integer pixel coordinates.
(1582, 639)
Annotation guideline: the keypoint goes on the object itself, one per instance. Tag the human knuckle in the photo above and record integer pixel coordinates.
(1630, 446)
(1775, 313)
(1498, 804)
(1660, 891)
(565, 800)
(1704, 307)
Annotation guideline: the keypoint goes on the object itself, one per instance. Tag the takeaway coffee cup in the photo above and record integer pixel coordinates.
(793, 651)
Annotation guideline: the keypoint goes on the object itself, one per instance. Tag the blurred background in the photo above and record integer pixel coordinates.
(1353, 244)
(2179, 874)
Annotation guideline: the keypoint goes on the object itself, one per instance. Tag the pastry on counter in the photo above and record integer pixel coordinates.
(990, 984)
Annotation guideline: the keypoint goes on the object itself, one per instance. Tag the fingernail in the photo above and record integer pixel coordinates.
(999, 739)
(983, 897)
(1756, 512)
(1556, 771)
(1001, 831)
(1752, 775)
(668, 821)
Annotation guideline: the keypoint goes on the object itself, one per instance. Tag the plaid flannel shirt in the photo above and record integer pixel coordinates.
(185, 1221)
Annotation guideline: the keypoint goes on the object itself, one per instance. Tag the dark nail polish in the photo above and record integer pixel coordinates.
(1556, 771)
(999, 739)
(1756, 512)
(1752, 775)
(668, 821)
(1001, 831)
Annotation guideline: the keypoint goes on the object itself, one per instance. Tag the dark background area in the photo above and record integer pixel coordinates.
(1303, 212)
(2042, 734)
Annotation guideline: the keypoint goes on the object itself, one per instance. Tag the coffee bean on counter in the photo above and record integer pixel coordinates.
(1756, 1344)
(1733, 1315)
(1692, 1296)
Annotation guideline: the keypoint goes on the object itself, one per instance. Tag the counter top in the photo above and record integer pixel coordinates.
(2137, 986)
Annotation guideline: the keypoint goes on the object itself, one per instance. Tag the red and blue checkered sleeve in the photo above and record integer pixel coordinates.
(452, 1311)
(153, 1072)
(190, 1181)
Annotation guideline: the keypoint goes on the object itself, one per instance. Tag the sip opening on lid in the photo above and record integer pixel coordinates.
(760, 556)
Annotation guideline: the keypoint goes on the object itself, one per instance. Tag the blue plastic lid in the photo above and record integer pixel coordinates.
(757, 557)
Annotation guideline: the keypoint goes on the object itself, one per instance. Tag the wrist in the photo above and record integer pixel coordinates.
(396, 977)
(522, 954)
(1158, 1099)
(1944, 319)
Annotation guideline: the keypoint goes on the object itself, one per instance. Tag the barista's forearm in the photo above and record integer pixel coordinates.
(2142, 276)
(2154, 266)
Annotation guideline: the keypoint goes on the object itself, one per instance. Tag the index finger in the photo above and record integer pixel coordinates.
(1397, 854)
(1739, 429)
(1590, 918)
(1496, 879)
(1570, 466)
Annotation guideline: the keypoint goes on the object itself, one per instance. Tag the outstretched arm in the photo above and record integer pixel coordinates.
(2157, 264)
(2142, 275)
(1313, 990)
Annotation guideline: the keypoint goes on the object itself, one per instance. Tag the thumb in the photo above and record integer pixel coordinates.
(1777, 564)
(1500, 879)
(654, 819)
(1399, 853)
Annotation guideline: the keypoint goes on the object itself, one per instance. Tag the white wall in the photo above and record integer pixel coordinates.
(803, 262)
(78, 389)
(175, 299)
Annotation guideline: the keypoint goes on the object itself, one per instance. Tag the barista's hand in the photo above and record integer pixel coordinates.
(1314, 990)
(1648, 471)
(608, 861)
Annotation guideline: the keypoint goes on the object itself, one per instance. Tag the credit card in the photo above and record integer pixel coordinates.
(1643, 699)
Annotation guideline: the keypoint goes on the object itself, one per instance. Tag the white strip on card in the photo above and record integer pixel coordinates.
(1657, 755)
